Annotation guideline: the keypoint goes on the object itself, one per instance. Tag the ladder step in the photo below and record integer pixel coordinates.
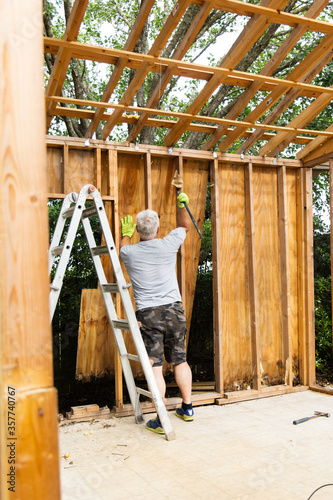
(57, 250)
(89, 212)
(133, 357)
(103, 250)
(144, 392)
(122, 324)
(110, 288)
(68, 213)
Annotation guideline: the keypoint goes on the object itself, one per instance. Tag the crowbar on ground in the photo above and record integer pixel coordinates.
(316, 415)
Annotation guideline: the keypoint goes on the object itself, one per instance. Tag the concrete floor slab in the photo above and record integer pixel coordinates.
(242, 451)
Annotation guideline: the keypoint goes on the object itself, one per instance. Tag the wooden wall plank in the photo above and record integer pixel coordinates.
(309, 277)
(268, 274)
(195, 175)
(79, 170)
(249, 215)
(284, 274)
(55, 170)
(179, 167)
(98, 168)
(294, 325)
(302, 343)
(237, 360)
(148, 180)
(217, 292)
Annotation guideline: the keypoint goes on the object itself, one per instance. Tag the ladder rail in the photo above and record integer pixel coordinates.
(131, 318)
(119, 339)
(67, 249)
(59, 228)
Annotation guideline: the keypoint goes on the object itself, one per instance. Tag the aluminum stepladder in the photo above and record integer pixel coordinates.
(79, 213)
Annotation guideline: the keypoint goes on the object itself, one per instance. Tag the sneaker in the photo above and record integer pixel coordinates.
(155, 425)
(186, 415)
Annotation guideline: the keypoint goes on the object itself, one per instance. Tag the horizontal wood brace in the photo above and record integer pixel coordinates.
(78, 143)
(243, 124)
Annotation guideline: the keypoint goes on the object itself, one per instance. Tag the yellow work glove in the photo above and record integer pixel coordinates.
(182, 198)
(127, 226)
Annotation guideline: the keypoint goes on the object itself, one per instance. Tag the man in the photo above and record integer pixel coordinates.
(151, 267)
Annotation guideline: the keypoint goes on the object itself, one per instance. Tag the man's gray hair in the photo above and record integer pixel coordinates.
(147, 223)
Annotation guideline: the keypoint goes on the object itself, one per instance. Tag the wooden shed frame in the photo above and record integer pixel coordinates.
(25, 334)
(63, 178)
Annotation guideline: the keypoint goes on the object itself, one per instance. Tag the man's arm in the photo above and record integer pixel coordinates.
(182, 217)
(127, 230)
(125, 240)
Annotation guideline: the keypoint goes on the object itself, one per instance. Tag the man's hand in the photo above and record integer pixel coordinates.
(182, 199)
(127, 226)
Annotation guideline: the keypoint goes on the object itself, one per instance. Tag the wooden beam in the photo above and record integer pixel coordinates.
(29, 452)
(309, 277)
(313, 145)
(148, 192)
(181, 267)
(78, 143)
(113, 190)
(282, 139)
(181, 68)
(250, 232)
(305, 71)
(180, 52)
(137, 27)
(213, 119)
(61, 63)
(285, 276)
(217, 292)
(159, 122)
(247, 38)
(320, 155)
(275, 15)
(98, 168)
(161, 40)
(300, 232)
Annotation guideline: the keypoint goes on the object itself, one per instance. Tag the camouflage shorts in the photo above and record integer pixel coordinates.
(164, 326)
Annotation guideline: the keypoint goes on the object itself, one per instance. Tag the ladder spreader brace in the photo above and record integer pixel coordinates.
(79, 213)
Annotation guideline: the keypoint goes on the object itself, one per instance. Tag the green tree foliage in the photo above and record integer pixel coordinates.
(108, 23)
(322, 275)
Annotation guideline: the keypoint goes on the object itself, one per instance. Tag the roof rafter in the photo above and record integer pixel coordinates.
(275, 15)
(64, 55)
(182, 68)
(251, 32)
(269, 68)
(122, 62)
(306, 116)
(167, 75)
(305, 71)
(144, 69)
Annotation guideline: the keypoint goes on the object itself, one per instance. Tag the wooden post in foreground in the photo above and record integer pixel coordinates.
(29, 456)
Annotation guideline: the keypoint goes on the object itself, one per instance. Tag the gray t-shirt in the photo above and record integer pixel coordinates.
(151, 268)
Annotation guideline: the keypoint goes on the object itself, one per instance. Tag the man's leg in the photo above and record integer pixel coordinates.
(183, 376)
(158, 372)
